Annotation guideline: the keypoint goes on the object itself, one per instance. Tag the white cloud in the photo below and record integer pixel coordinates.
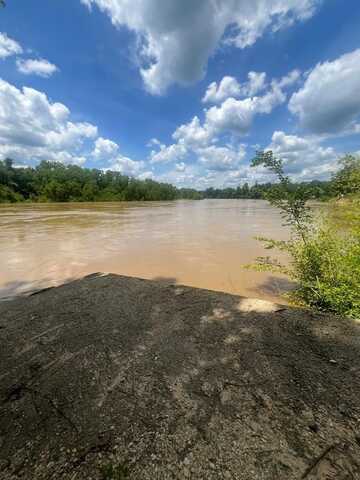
(289, 79)
(193, 135)
(231, 119)
(33, 128)
(105, 149)
(148, 175)
(180, 167)
(177, 37)
(304, 157)
(221, 158)
(40, 67)
(8, 46)
(129, 167)
(230, 87)
(195, 176)
(154, 142)
(169, 154)
(256, 83)
(108, 154)
(236, 116)
(329, 101)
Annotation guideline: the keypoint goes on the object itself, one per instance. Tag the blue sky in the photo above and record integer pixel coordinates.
(180, 91)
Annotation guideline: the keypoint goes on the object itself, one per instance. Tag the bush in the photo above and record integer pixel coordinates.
(325, 268)
(327, 271)
(324, 256)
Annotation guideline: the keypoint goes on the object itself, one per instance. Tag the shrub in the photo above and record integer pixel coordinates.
(324, 260)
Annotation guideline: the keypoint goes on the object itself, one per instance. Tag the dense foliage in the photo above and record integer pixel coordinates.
(55, 182)
(317, 190)
(347, 180)
(324, 255)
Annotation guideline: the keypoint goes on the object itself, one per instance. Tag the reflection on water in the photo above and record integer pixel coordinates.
(200, 243)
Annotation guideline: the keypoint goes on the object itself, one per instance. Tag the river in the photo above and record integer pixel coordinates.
(199, 243)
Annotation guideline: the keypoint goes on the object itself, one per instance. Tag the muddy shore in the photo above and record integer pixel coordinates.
(112, 377)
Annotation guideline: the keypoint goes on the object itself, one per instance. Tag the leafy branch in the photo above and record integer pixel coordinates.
(289, 198)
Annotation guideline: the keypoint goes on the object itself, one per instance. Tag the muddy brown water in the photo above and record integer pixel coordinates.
(198, 243)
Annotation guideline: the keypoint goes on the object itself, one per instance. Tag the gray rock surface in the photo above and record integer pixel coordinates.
(113, 378)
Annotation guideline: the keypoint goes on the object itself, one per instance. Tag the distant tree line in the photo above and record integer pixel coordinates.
(56, 182)
(318, 189)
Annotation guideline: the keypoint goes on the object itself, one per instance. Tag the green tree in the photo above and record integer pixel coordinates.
(90, 191)
(7, 195)
(55, 191)
(347, 180)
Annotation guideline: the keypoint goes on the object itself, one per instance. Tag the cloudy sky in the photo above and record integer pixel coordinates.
(180, 90)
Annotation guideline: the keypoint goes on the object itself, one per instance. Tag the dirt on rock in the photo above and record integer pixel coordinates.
(112, 377)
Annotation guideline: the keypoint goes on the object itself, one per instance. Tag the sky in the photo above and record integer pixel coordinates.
(181, 91)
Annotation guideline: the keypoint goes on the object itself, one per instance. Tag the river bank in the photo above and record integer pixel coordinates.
(111, 377)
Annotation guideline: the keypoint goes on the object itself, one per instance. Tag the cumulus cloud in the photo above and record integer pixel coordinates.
(180, 167)
(196, 176)
(105, 148)
(289, 79)
(230, 87)
(329, 101)
(32, 127)
(232, 119)
(199, 141)
(8, 46)
(193, 135)
(129, 167)
(176, 38)
(180, 179)
(237, 115)
(221, 158)
(41, 67)
(304, 157)
(108, 153)
(168, 154)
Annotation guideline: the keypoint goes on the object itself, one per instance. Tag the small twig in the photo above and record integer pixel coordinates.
(318, 460)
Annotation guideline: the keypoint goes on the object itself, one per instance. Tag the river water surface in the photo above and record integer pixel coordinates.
(198, 243)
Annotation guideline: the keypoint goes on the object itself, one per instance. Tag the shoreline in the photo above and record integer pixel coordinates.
(152, 380)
